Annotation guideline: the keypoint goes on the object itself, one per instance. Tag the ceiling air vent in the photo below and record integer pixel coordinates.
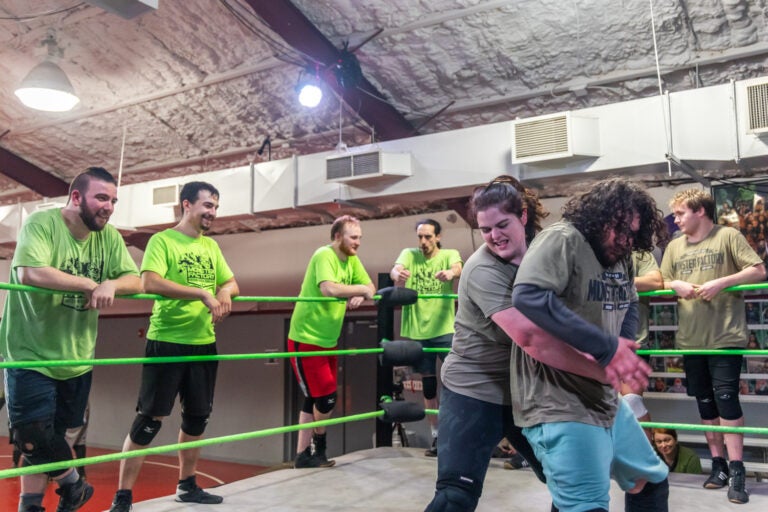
(367, 166)
(167, 195)
(554, 137)
(757, 107)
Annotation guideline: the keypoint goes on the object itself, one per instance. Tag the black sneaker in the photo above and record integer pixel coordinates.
(718, 478)
(307, 459)
(517, 461)
(74, 496)
(736, 483)
(122, 502)
(195, 494)
(432, 450)
(34, 508)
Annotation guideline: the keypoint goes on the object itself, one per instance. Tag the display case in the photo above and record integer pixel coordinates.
(668, 375)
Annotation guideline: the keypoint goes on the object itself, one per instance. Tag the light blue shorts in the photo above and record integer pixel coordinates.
(579, 459)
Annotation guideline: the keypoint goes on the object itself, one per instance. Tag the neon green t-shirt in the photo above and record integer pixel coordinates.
(188, 261)
(428, 318)
(319, 323)
(42, 327)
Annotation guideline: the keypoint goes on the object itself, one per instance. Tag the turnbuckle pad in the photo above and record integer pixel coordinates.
(401, 353)
(397, 296)
(401, 411)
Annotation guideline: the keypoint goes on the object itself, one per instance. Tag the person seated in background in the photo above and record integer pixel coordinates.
(677, 386)
(679, 458)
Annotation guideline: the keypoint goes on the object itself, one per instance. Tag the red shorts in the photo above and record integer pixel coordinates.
(317, 375)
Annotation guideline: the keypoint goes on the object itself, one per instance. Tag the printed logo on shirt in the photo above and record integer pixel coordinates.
(700, 259)
(93, 270)
(199, 270)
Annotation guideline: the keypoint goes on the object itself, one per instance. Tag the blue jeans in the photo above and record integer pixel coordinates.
(469, 431)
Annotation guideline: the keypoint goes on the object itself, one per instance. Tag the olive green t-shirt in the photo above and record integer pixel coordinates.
(45, 327)
(643, 262)
(561, 260)
(721, 322)
(428, 318)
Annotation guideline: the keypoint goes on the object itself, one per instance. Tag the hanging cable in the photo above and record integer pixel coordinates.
(122, 154)
(661, 90)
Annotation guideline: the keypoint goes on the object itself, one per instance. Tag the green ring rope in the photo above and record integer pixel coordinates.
(152, 296)
(55, 466)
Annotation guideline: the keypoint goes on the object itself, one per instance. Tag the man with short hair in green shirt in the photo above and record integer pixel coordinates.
(428, 269)
(333, 271)
(189, 268)
(75, 251)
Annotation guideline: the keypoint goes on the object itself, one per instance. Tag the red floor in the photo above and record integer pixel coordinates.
(158, 478)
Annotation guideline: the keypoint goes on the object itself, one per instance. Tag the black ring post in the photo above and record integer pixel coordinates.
(385, 320)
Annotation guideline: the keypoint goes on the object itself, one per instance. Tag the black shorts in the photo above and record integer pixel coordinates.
(194, 382)
(704, 373)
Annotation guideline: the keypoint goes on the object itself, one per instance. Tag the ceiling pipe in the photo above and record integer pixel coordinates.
(290, 23)
(31, 176)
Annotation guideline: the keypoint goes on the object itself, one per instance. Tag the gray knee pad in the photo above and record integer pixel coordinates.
(144, 429)
(727, 400)
(429, 386)
(325, 404)
(193, 425)
(40, 444)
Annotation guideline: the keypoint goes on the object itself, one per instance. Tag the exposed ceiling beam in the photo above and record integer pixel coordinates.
(31, 176)
(290, 23)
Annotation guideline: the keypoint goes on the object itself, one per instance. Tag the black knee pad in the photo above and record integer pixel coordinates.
(727, 401)
(309, 405)
(429, 386)
(707, 407)
(653, 498)
(325, 404)
(144, 429)
(450, 498)
(193, 425)
(40, 444)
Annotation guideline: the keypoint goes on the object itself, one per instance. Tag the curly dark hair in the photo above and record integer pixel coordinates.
(510, 196)
(612, 204)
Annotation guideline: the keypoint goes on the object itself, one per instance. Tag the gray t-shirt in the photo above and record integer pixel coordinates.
(561, 260)
(478, 364)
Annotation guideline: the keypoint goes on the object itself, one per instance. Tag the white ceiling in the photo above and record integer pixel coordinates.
(195, 89)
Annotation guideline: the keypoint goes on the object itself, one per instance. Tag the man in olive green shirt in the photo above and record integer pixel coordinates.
(698, 266)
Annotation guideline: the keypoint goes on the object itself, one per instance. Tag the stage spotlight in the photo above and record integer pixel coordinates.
(308, 87)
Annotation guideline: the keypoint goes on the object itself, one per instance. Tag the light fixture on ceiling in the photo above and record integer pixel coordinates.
(308, 88)
(47, 87)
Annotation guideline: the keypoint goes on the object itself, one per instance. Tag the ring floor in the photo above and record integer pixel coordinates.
(402, 479)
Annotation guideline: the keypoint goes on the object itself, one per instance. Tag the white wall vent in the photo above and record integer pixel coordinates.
(167, 195)
(757, 107)
(554, 137)
(370, 165)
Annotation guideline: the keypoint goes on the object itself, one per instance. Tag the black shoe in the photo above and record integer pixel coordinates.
(737, 492)
(74, 496)
(432, 450)
(122, 502)
(195, 494)
(34, 508)
(718, 478)
(307, 459)
(517, 461)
